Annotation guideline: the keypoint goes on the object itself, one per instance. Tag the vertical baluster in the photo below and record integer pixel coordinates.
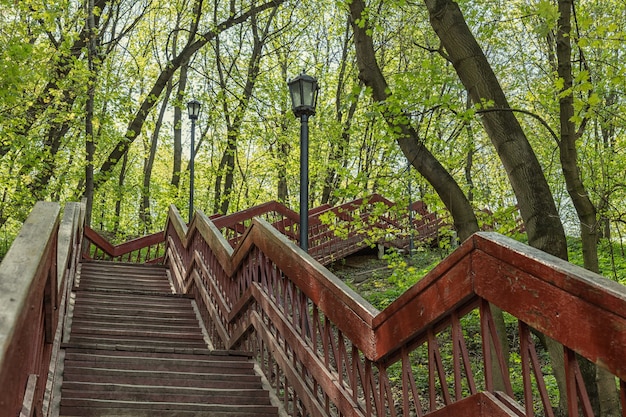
(576, 390)
(490, 338)
(385, 397)
(456, 355)
(356, 372)
(435, 362)
(367, 388)
(525, 341)
(408, 386)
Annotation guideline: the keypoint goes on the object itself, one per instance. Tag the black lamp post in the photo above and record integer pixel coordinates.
(303, 91)
(193, 109)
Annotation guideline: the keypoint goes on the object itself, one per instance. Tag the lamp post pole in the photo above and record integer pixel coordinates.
(193, 108)
(191, 167)
(303, 90)
(304, 182)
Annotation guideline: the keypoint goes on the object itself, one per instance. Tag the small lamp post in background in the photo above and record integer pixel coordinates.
(303, 91)
(193, 109)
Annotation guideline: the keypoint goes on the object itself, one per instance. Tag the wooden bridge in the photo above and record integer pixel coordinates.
(227, 316)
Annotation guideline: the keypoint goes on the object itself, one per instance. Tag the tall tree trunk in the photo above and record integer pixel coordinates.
(543, 225)
(585, 209)
(178, 146)
(412, 146)
(339, 149)
(600, 384)
(90, 148)
(282, 148)
(144, 207)
(120, 196)
(225, 180)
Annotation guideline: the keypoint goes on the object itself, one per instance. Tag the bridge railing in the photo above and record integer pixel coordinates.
(335, 232)
(326, 351)
(36, 276)
(283, 219)
(146, 249)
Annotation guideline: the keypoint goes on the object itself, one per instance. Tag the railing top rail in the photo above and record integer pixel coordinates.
(231, 219)
(122, 248)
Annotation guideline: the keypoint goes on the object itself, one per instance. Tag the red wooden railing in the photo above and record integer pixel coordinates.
(146, 249)
(326, 351)
(35, 277)
(336, 232)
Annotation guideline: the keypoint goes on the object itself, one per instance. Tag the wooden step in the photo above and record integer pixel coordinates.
(164, 405)
(119, 342)
(126, 392)
(146, 410)
(159, 360)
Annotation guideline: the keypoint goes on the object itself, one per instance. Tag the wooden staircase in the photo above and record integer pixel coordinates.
(137, 349)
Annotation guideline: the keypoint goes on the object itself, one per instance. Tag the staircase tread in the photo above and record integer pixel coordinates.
(199, 361)
(241, 356)
(134, 412)
(136, 348)
(128, 331)
(148, 394)
(166, 405)
(96, 387)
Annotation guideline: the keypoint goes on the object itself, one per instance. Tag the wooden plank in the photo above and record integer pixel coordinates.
(578, 281)
(591, 330)
(483, 404)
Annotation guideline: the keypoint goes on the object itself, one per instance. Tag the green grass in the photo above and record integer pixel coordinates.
(611, 258)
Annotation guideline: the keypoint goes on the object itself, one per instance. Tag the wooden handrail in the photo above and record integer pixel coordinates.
(99, 247)
(487, 268)
(28, 308)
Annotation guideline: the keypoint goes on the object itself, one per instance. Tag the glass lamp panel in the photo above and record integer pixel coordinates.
(308, 92)
(296, 95)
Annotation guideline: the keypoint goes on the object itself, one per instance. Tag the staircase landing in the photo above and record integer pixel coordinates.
(137, 349)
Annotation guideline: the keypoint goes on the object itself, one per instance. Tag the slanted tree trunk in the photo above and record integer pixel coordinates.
(543, 225)
(412, 146)
(144, 207)
(136, 123)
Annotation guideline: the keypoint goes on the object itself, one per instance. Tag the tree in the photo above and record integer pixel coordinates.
(224, 182)
(192, 46)
(414, 149)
